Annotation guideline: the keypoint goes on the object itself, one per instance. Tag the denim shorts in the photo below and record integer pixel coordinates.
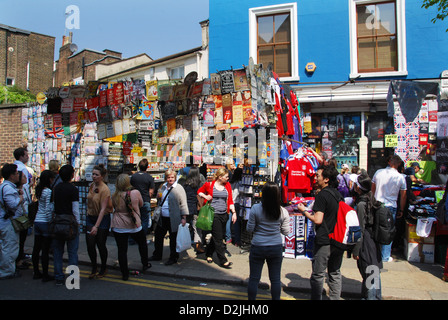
(105, 223)
(42, 229)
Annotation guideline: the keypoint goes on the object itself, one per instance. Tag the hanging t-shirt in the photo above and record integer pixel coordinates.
(289, 119)
(300, 172)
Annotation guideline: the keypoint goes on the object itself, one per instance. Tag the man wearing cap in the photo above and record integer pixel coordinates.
(412, 170)
(387, 184)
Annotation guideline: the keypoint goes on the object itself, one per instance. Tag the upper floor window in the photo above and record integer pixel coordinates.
(274, 42)
(273, 39)
(177, 73)
(378, 41)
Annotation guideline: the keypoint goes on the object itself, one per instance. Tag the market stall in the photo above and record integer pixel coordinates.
(235, 114)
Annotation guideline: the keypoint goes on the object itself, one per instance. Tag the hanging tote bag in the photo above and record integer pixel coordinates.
(205, 217)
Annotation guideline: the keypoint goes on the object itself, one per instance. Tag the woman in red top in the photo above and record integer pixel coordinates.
(219, 192)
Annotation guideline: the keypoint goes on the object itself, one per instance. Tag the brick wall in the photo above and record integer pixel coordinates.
(3, 52)
(10, 133)
(30, 47)
(41, 58)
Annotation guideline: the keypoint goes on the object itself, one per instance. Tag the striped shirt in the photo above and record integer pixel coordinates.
(46, 207)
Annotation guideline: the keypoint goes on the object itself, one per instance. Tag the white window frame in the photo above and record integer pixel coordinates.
(170, 71)
(290, 8)
(401, 41)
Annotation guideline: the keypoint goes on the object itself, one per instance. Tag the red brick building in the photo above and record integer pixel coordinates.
(76, 66)
(26, 59)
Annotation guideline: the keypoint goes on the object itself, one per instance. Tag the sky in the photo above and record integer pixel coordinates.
(158, 28)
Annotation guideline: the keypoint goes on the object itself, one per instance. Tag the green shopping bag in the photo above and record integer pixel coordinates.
(205, 217)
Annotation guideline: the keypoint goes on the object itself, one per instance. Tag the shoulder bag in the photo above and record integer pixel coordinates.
(64, 227)
(158, 211)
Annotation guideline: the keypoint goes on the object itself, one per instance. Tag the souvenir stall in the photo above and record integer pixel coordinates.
(234, 115)
(237, 115)
(420, 131)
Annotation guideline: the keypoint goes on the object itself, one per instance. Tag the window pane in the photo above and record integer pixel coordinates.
(282, 24)
(366, 54)
(283, 59)
(376, 19)
(181, 72)
(387, 53)
(386, 18)
(266, 55)
(365, 20)
(265, 30)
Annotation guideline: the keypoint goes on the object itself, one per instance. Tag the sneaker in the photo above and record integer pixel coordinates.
(60, 282)
(389, 260)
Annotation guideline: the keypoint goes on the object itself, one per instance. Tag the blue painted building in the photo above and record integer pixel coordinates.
(338, 56)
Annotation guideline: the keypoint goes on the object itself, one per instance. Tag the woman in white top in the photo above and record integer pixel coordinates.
(126, 222)
(42, 236)
(268, 221)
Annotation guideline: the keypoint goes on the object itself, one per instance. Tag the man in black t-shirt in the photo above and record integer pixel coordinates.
(144, 182)
(325, 256)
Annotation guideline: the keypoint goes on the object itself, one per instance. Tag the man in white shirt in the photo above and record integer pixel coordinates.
(22, 157)
(387, 185)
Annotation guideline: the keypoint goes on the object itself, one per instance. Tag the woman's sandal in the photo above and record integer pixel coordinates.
(209, 260)
(227, 265)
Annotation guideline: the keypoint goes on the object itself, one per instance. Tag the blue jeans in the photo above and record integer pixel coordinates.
(229, 228)
(273, 255)
(58, 252)
(387, 248)
(9, 250)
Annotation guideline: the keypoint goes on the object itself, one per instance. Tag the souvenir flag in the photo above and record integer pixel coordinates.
(56, 132)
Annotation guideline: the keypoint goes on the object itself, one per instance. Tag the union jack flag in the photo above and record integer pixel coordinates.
(56, 132)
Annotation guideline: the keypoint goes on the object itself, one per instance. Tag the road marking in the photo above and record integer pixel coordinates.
(154, 284)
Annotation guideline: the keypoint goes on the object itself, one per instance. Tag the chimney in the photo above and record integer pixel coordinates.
(67, 39)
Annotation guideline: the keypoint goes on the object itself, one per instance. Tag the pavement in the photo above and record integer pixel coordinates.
(400, 279)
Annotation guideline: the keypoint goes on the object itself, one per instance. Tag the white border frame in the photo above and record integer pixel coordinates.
(291, 8)
(401, 41)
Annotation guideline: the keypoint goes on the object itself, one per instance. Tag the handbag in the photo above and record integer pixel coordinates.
(158, 211)
(205, 217)
(21, 223)
(64, 227)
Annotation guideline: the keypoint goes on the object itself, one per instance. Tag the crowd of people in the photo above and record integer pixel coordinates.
(127, 215)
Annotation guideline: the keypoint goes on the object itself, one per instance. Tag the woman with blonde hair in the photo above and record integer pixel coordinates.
(126, 223)
(219, 192)
(173, 200)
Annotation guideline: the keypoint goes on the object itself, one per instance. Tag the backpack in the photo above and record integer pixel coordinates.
(347, 231)
(343, 188)
(383, 225)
